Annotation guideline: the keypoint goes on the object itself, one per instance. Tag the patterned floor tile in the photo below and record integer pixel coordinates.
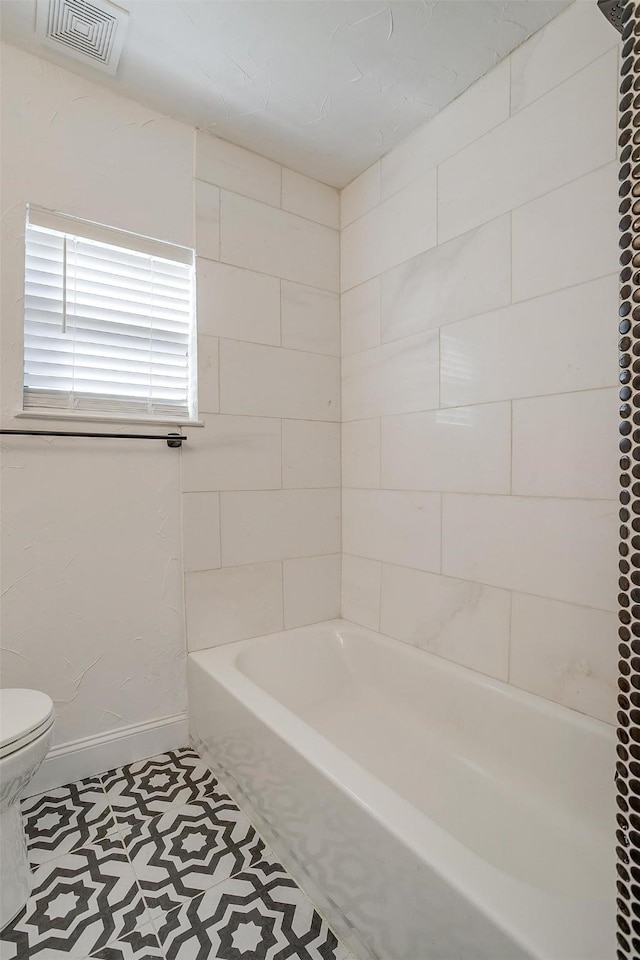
(150, 787)
(80, 903)
(142, 944)
(188, 850)
(260, 914)
(67, 818)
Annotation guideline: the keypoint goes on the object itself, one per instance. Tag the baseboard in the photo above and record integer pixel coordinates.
(92, 755)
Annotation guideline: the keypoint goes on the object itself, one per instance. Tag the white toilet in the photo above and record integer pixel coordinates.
(26, 727)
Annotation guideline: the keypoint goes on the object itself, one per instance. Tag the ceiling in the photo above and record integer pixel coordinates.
(324, 87)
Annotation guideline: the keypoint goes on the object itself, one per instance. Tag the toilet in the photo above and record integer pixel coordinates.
(26, 728)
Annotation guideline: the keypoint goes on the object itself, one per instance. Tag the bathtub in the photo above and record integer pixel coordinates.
(431, 812)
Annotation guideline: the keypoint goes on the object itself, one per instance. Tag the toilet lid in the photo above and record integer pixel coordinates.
(21, 713)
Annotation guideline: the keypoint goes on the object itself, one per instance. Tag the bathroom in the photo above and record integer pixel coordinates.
(345, 671)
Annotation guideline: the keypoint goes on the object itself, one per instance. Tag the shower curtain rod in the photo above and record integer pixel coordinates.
(172, 439)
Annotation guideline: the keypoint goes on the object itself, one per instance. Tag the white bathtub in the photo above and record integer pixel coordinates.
(431, 812)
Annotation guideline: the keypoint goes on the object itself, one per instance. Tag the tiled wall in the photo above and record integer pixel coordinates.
(261, 481)
(479, 301)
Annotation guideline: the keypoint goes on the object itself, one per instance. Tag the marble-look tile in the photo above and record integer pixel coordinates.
(208, 385)
(567, 44)
(310, 198)
(566, 446)
(237, 169)
(560, 549)
(568, 236)
(553, 344)
(279, 525)
(64, 819)
(361, 591)
(279, 243)
(464, 277)
(238, 304)
(360, 317)
(565, 653)
(311, 590)
(207, 210)
(507, 166)
(397, 230)
(273, 382)
(200, 531)
(465, 449)
(361, 453)
(310, 454)
(233, 603)
(396, 527)
(477, 110)
(233, 453)
(310, 319)
(397, 377)
(361, 195)
(461, 621)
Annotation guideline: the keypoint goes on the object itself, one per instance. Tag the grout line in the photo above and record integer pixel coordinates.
(505, 494)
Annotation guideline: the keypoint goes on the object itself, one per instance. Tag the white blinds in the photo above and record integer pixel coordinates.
(107, 328)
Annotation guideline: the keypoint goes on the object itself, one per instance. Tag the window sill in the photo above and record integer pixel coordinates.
(102, 418)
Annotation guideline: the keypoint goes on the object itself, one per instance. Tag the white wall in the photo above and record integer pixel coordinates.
(479, 303)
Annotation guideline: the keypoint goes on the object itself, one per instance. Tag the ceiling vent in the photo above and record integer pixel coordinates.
(91, 31)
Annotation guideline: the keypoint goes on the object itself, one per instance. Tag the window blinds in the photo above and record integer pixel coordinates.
(108, 328)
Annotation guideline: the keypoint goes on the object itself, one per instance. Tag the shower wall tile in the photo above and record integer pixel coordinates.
(234, 168)
(397, 527)
(207, 204)
(233, 453)
(310, 198)
(361, 195)
(554, 548)
(397, 377)
(457, 619)
(311, 590)
(361, 590)
(565, 653)
(238, 304)
(310, 454)
(272, 382)
(208, 381)
(464, 277)
(259, 526)
(310, 319)
(361, 453)
(557, 343)
(568, 236)
(200, 531)
(360, 317)
(566, 446)
(466, 449)
(536, 151)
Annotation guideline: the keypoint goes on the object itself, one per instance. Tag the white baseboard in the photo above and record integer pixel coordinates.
(92, 755)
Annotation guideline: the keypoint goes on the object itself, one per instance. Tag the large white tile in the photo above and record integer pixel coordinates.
(273, 382)
(310, 319)
(361, 453)
(208, 387)
(397, 230)
(237, 169)
(232, 453)
(560, 549)
(238, 304)
(563, 135)
(480, 108)
(567, 44)
(568, 236)
(200, 531)
(310, 453)
(310, 198)
(311, 590)
(557, 343)
(233, 603)
(360, 317)
(464, 277)
(277, 242)
(361, 591)
(397, 377)
(464, 449)
(565, 653)
(566, 446)
(207, 211)
(279, 525)
(402, 528)
(361, 195)
(462, 621)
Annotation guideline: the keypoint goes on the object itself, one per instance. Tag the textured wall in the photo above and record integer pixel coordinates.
(478, 268)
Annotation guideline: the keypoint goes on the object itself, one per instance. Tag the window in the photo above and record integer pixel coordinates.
(108, 322)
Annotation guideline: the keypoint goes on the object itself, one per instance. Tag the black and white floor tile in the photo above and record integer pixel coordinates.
(155, 860)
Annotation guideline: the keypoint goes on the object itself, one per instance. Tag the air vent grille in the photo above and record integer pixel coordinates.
(92, 32)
